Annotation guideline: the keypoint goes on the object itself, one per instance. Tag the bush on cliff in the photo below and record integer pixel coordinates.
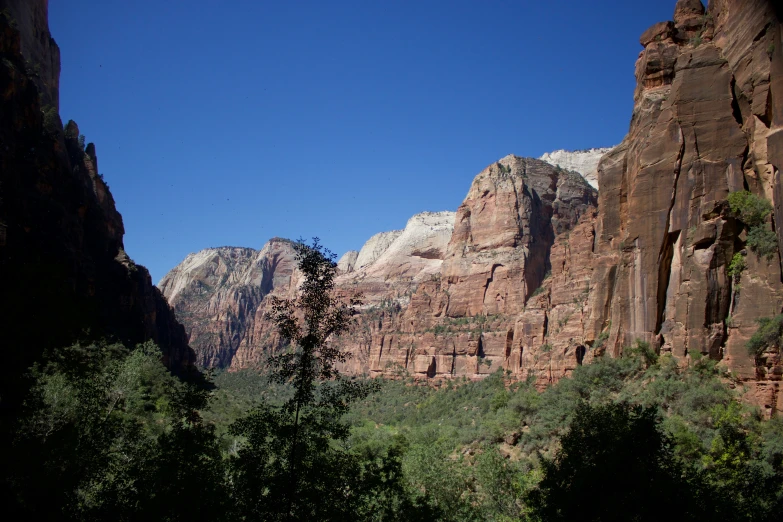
(769, 335)
(753, 211)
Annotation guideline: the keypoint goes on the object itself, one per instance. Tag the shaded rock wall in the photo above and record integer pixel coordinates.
(64, 273)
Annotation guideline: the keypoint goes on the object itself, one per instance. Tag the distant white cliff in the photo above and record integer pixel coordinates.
(585, 162)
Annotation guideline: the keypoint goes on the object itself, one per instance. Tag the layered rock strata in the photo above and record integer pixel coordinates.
(540, 274)
(464, 320)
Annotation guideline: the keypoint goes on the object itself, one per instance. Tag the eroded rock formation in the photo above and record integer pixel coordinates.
(536, 274)
(698, 132)
(219, 295)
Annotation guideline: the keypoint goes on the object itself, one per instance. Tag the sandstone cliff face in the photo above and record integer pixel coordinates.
(219, 295)
(464, 320)
(540, 274)
(664, 235)
(584, 162)
(413, 254)
(64, 273)
(347, 262)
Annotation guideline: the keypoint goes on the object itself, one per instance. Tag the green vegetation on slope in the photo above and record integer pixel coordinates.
(479, 450)
(753, 211)
(109, 434)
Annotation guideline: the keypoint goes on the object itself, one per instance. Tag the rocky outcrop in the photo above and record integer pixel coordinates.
(664, 233)
(64, 272)
(462, 320)
(347, 262)
(375, 247)
(414, 255)
(219, 294)
(583, 162)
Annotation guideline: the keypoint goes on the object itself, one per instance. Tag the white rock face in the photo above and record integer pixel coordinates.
(375, 247)
(227, 267)
(415, 254)
(208, 263)
(220, 294)
(585, 162)
(347, 262)
(422, 243)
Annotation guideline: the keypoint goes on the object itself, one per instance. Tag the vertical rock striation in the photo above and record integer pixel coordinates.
(665, 236)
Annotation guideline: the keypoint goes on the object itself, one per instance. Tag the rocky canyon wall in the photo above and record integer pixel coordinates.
(64, 273)
(537, 273)
(664, 231)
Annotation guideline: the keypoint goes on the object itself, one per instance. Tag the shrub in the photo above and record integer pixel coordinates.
(50, 119)
(768, 335)
(645, 351)
(736, 266)
(751, 209)
(505, 169)
(762, 241)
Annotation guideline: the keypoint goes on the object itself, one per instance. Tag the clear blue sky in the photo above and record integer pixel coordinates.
(218, 125)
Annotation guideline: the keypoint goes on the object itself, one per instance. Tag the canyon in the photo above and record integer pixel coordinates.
(537, 272)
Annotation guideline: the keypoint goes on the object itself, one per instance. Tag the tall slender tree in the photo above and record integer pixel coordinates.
(292, 462)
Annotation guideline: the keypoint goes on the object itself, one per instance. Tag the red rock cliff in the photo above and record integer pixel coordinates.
(701, 128)
(538, 277)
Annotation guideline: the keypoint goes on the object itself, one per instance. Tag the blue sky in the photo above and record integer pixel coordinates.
(219, 125)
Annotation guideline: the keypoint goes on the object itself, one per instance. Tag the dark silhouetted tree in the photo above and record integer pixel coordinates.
(294, 463)
(615, 464)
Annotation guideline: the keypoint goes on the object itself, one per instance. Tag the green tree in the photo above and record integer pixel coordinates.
(110, 434)
(754, 211)
(768, 335)
(294, 457)
(614, 463)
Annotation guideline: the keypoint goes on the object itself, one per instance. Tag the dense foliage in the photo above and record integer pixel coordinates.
(109, 434)
(768, 336)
